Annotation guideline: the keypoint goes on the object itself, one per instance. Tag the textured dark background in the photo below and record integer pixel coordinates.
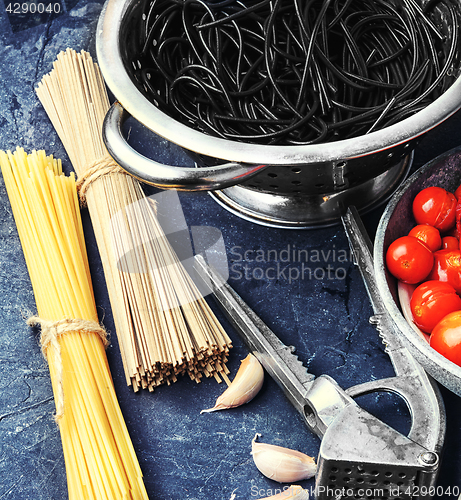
(184, 455)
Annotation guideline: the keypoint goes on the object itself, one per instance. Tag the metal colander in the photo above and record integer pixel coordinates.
(277, 185)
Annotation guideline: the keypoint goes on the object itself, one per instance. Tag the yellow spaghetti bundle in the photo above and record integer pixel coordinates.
(100, 459)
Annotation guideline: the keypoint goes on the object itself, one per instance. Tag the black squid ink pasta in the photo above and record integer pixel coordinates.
(294, 72)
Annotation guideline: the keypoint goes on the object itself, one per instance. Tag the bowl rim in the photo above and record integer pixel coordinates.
(111, 64)
(441, 369)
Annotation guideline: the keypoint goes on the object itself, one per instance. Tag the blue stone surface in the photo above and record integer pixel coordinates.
(183, 454)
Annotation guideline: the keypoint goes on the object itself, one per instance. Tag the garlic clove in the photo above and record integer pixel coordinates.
(294, 491)
(246, 384)
(282, 464)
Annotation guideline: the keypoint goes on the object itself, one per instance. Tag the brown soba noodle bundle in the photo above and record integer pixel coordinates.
(164, 326)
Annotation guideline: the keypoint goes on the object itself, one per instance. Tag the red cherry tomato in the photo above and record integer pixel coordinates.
(409, 259)
(435, 206)
(431, 301)
(457, 193)
(428, 235)
(447, 267)
(446, 337)
(450, 243)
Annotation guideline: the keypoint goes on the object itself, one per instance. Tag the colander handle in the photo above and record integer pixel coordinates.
(167, 176)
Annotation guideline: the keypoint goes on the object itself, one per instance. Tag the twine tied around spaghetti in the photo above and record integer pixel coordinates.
(50, 332)
(102, 166)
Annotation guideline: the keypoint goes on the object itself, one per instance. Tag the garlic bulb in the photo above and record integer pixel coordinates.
(246, 384)
(293, 491)
(282, 464)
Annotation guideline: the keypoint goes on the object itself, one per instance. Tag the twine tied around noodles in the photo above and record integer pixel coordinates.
(50, 332)
(102, 166)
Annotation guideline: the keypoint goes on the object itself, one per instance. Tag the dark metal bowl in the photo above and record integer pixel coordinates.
(397, 220)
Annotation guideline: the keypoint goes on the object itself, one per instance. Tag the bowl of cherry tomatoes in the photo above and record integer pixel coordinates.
(417, 258)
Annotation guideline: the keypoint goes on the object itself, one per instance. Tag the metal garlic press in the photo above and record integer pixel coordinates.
(360, 456)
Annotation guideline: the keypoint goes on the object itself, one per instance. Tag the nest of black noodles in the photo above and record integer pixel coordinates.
(294, 72)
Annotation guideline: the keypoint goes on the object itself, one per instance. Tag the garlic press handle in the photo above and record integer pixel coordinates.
(419, 391)
(318, 400)
(424, 401)
(352, 440)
